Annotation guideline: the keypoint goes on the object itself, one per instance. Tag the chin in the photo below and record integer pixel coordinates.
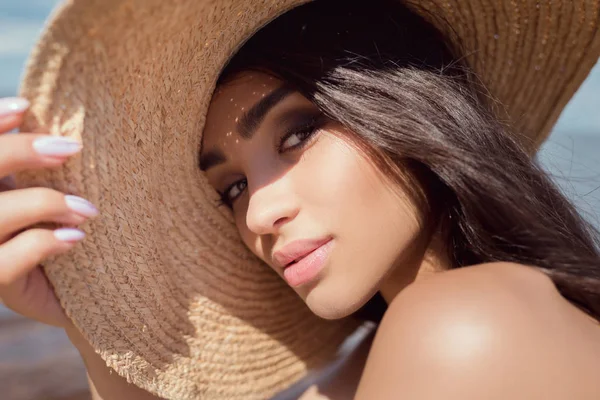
(329, 313)
(331, 305)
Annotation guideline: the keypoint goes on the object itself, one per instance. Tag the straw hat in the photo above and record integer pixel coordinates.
(163, 287)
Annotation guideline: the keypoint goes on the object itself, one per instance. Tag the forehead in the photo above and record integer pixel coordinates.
(230, 101)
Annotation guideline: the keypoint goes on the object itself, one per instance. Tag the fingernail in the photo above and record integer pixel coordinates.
(69, 234)
(81, 206)
(12, 105)
(56, 146)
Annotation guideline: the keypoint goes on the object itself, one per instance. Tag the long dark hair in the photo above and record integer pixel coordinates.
(391, 79)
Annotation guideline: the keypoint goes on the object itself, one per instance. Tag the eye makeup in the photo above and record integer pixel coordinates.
(303, 123)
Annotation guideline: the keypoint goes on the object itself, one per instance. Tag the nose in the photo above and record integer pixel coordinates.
(270, 207)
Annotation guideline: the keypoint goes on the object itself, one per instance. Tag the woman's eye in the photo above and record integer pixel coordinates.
(296, 139)
(234, 191)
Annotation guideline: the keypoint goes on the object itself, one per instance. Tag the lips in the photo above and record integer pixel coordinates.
(303, 260)
(297, 250)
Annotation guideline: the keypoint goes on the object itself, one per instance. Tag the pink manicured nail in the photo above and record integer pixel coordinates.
(12, 105)
(81, 206)
(56, 146)
(69, 234)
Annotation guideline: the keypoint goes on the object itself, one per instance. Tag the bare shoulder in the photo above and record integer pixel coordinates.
(491, 331)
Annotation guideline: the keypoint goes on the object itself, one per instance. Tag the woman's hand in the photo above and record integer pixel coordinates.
(23, 285)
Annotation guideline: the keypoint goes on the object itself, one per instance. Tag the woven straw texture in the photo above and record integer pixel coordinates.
(162, 286)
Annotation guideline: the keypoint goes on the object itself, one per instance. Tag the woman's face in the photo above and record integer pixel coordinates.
(304, 199)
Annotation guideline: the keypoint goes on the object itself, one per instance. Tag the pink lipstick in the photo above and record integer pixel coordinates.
(302, 260)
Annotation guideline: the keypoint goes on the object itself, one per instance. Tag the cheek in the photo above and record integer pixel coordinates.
(345, 194)
(328, 173)
(337, 178)
(250, 239)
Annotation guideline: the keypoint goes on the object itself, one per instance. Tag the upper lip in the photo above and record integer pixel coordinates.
(297, 249)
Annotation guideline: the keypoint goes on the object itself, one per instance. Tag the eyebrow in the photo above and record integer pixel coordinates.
(247, 124)
(252, 119)
(211, 158)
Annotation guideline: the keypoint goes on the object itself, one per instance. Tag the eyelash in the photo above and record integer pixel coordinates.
(309, 128)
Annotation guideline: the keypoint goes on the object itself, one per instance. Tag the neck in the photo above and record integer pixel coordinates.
(432, 260)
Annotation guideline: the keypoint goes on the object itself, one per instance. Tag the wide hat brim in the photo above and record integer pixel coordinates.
(163, 287)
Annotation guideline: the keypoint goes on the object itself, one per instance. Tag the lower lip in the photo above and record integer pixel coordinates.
(309, 267)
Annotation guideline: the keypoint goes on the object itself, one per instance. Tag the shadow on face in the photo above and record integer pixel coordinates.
(304, 198)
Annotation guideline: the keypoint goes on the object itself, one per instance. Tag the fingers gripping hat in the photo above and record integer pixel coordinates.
(163, 287)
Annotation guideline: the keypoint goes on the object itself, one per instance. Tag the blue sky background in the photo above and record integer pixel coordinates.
(571, 155)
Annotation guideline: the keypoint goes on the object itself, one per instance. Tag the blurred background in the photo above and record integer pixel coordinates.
(37, 362)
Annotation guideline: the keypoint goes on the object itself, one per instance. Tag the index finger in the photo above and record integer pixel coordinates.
(11, 113)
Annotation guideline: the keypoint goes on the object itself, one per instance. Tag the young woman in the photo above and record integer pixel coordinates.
(362, 161)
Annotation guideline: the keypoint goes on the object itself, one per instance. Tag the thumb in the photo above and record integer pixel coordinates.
(33, 297)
